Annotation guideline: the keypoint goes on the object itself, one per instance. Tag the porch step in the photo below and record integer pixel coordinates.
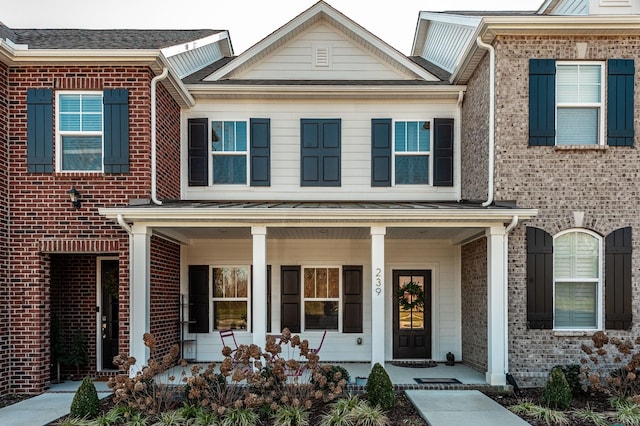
(461, 408)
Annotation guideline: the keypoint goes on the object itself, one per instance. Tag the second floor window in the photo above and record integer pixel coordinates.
(229, 150)
(579, 103)
(412, 146)
(79, 124)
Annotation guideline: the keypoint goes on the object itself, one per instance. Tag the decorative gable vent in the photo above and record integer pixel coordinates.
(322, 55)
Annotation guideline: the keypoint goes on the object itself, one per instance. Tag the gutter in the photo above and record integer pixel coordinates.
(492, 123)
(154, 83)
(124, 224)
(458, 171)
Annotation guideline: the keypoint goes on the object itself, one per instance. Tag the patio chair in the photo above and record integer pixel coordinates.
(230, 338)
(317, 350)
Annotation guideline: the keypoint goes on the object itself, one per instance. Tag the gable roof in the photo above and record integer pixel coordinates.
(321, 12)
(101, 39)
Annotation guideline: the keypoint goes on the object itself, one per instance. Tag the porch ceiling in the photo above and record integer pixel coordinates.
(320, 233)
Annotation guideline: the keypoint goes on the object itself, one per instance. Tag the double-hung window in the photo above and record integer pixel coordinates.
(80, 133)
(229, 150)
(321, 298)
(580, 111)
(412, 148)
(231, 297)
(577, 279)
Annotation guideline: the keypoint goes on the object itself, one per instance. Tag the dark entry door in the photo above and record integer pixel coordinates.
(109, 312)
(411, 318)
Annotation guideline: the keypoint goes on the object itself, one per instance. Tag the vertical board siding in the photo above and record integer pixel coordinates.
(40, 130)
(260, 151)
(620, 99)
(116, 130)
(445, 43)
(542, 102)
(381, 151)
(198, 152)
(443, 161)
(198, 301)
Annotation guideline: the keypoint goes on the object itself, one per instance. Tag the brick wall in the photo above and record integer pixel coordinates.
(474, 304)
(600, 183)
(165, 294)
(475, 135)
(4, 293)
(168, 146)
(41, 212)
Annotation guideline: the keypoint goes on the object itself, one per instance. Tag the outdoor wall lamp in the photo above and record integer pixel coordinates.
(74, 197)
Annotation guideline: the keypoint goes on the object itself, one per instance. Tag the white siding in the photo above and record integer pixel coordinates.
(348, 60)
(572, 7)
(285, 149)
(186, 63)
(445, 43)
(438, 256)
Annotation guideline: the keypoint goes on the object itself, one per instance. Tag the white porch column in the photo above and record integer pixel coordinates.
(139, 258)
(259, 297)
(497, 310)
(377, 295)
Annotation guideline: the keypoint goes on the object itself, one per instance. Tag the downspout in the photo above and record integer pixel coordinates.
(458, 171)
(125, 226)
(492, 110)
(513, 224)
(154, 83)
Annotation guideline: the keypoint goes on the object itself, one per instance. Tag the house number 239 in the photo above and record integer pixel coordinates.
(378, 281)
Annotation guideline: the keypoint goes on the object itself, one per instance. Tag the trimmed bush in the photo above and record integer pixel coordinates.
(572, 374)
(379, 388)
(557, 393)
(85, 402)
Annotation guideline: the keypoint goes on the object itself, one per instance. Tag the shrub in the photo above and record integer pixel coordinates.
(366, 415)
(572, 374)
(557, 393)
(240, 417)
(85, 402)
(333, 374)
(291, 416)
(379, 388)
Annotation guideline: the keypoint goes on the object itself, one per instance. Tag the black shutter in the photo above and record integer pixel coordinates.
(618, 294)
(352, 299)
(620, 98)
(539, 279)
(320, 152)
(268, 298)
(260, 140)
(381, 146)
(198, 152)
(443, 152)
(542, 102)
(198, 299)
(290, 298)
(116, 130)
(39, 130)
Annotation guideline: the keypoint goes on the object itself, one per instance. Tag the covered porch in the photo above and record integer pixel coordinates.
(382, 242)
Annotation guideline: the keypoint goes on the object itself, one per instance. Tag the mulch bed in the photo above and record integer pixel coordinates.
(6, 400)
(596, 401)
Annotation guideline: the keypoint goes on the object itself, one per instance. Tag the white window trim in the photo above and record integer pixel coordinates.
(214, 299)
(429, 153)
(599, 282)
(59, 133)
(246, 153)
(303, 326)
(600, 105)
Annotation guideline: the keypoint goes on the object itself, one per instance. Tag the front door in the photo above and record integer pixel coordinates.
(412, 314)
(108, 311)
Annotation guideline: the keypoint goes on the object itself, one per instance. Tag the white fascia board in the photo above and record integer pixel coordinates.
(556, 24)
(331, 14)
(6, 53)
(311, 91)
(451, 18)
(86, 55)
(189, 216)
(185, 47)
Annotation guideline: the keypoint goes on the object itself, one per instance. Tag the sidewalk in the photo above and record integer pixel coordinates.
(461, 408)
(47, 407)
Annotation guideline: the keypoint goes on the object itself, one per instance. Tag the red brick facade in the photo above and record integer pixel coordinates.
(46, 233)
(4, 289)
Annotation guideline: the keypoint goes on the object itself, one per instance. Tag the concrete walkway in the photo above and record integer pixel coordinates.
(47, 407)
(461, 408)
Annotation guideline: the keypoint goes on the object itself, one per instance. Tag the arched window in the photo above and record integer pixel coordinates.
(577, 275)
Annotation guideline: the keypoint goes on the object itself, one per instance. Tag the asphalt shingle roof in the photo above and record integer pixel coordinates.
(101, 39)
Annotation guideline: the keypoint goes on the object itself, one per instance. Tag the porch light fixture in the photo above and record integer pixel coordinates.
(74, 197)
